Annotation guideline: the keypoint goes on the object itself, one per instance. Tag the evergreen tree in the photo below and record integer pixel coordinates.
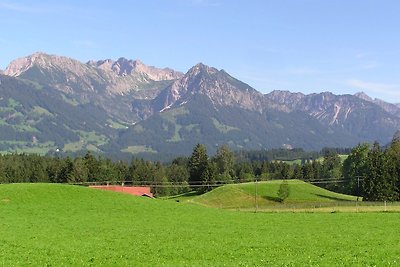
(284, 171)
(332, 170)
(133, 170)
(297, 173)
(160, 181)
(355, 169)
(79, 172)
(53, 169)
(392, 158)
(38, 169)
(65, 171)
(308, 172)
(121, 171)
(208, 177)
(332, 166)
(317, 170)
(178, 175)
(106, 170)
(224, 160)
(93, 167)
(244, 172)
(198, 164)
(377, 185)
(2, 170)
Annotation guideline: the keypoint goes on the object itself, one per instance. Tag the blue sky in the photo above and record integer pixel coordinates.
(308, 46)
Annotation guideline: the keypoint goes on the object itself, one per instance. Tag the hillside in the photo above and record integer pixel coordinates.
(211, 107)
(35, 118)
(110, 85)
(59, 225)
(242, 196)
(125, 107)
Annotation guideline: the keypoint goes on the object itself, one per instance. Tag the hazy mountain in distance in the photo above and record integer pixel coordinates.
(209, 106)
(112, 88)
(393, 109)
(126, 106)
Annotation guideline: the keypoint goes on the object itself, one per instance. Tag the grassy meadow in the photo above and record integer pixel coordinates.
(303, 197)
(63, 225)
(246, 196)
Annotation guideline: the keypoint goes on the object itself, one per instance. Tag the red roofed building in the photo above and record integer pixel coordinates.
(133, 190)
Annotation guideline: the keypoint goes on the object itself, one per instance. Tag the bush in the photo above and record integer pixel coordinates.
(283, 192)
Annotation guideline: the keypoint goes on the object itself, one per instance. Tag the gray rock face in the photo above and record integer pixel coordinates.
(112, 85)
(18, 66)
(364, 96)
(393, 109)
(66, 74)
(123, 67)
(221, 88)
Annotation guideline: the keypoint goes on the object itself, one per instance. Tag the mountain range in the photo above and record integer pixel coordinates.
(55, 103)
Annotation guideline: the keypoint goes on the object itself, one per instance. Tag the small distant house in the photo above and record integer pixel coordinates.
(133, 190)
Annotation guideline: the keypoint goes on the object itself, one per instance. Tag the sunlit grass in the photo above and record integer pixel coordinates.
(62, 225)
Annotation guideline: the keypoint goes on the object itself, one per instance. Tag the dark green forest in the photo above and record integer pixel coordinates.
(370, 171)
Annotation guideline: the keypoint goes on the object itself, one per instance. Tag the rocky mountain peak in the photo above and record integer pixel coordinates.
(217, 85)
(20, 65)
(205, 103)
(121, 67)
(138, 63)
(363, 96)
(124, 67)
(282, 97)
(44, 61)
(105, 64)
(393, 109)
(201, 68)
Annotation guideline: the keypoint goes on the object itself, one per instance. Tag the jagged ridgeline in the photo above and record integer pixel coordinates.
(50, 102)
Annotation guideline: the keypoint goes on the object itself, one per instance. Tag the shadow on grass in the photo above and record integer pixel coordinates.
(274, 199)
(189, 194)
(333, 198)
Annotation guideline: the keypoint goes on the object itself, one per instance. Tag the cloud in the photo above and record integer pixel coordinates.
(381, 88)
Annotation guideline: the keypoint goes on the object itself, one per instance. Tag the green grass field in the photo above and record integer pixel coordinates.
(243, 196)
(63, 225)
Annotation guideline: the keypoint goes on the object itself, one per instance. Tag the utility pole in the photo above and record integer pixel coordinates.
(255, 195)
(358, 191)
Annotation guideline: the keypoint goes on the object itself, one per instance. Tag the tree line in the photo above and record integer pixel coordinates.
(369, 171)
(373, 172)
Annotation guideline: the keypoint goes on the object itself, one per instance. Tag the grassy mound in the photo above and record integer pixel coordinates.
(61, 225)
(243, 195)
